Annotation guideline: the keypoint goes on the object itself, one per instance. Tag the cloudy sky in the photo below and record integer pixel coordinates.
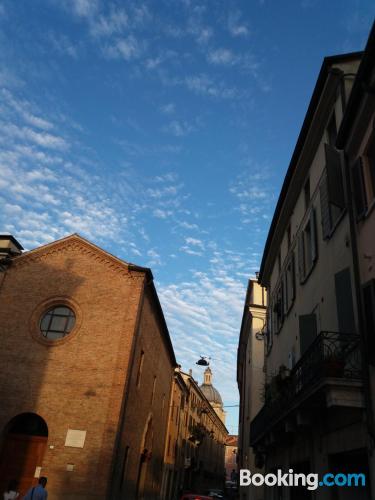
(161, 130)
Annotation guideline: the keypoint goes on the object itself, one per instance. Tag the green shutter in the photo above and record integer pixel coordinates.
(359, 190)
(344, 302)
(301, 258)
(325, 208)
(307, 331)
(334, 176)
(314, 240)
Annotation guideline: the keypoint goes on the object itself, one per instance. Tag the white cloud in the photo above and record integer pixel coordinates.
(204, 316)
(23, 109)
(161, 214)
(222, 57)
(113, 24)
(204, 85)
(81, 8)
(168, 109)
(27, 134)
(178, 128)
(124, 48)
(236, 28)
(195, 242)
(155, 259)
(63, 45)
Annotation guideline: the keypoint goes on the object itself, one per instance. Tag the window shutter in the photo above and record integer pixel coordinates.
(369, 310)
(344, 302)
(325, 209)
(314, 243)
(359, 188)
(307, 331)
(301, 258)
(285, 294)
(334, 176)
(293, 278)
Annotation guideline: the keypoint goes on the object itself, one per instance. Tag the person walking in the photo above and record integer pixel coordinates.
(11, 492)
(38, 492)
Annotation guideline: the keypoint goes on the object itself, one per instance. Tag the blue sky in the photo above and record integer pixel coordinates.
(162, 130)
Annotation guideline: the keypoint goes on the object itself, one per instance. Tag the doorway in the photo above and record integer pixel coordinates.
(24, 444)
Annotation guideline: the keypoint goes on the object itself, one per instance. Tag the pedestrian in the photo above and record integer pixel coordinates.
(11, 492)
(38, 492)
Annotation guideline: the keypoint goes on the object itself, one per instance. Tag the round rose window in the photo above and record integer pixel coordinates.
(57, 322)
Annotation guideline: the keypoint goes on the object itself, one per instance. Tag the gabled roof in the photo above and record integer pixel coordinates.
(75, 237)
(149, 282)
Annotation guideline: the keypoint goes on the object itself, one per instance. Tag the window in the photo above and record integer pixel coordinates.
(277, 309)
(57, 322)
(363, 179)
(288, 236)
(368, 291)
(269, 330)
(140, 366)
(307, 331)
(360, 197)
(307, 248)
(370, 157)
(289, 294)
(332, 130)
(332, 197)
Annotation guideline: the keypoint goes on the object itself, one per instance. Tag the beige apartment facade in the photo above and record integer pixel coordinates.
(251, 377)
(357, 139)
(314, 414)
(87, 368)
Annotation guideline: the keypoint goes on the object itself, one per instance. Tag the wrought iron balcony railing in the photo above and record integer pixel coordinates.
(331, 355)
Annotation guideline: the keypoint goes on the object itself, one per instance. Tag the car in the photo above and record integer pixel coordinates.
(194, 496)
(215, 493)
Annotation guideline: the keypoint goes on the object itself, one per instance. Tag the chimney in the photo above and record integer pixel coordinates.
(9, 247)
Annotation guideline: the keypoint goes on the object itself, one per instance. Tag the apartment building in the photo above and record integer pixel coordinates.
(314, 414)
(250, 377)
(357, 138)
(176, 440)
(206, 436)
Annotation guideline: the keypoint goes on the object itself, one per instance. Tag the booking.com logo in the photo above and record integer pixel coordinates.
(310, 481)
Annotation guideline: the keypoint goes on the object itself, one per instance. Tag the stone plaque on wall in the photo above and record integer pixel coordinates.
(75, 438)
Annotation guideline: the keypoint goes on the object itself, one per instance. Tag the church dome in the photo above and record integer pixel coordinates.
(209, 390)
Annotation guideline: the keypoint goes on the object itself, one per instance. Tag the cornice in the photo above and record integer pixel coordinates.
(72, 243)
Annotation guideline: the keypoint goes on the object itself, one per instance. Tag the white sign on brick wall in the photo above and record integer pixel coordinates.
(75, 438)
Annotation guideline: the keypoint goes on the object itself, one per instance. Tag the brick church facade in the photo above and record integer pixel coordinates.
(87, 366)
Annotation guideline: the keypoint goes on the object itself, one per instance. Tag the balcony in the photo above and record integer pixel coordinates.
(328, 374)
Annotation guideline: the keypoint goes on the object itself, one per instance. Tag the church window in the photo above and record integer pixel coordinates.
(57, 322)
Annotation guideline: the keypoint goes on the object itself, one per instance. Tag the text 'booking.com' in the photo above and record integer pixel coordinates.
(310, 481)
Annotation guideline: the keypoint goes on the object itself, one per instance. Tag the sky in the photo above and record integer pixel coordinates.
(162, 131)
